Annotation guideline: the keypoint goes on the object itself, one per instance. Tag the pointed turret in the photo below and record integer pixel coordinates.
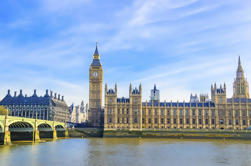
(140, 88)
(130, 89)
(96, 61)
(105, 88)
(96, 54)
(116, 88)
(240, 69)
(240, 89)
(239, 72)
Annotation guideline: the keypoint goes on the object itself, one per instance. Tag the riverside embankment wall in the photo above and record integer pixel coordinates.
(85, 132)
(194, 134)
(199, 134)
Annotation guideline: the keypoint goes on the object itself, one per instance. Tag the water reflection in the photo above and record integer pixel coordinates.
(127, 151)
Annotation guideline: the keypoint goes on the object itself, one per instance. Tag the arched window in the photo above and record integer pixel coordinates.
(180, 112)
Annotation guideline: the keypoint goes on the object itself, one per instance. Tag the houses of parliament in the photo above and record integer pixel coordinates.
(201, 112)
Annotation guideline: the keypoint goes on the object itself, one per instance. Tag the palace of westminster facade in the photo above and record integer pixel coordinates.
(134, 114)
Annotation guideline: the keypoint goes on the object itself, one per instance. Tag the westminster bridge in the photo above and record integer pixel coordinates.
(19, 128)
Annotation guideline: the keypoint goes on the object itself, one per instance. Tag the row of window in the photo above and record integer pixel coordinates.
(187, 112)
(187, 121)
(30, 106)
(124, 120)
(39, 115)
(23, 109)
(175, 112)
(135, 111)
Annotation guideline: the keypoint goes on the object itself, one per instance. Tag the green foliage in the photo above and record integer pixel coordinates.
(3, 111)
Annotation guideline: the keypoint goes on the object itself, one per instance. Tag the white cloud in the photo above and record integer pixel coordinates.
(198, 42)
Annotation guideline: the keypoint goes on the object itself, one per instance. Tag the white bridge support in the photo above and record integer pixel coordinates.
(6, 121)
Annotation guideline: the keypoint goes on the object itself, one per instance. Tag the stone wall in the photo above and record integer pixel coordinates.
(190, 134)
(86, 132)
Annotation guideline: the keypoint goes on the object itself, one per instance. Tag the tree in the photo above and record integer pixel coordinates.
(3, 111)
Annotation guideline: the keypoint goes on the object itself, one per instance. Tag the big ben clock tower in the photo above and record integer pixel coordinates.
(95, 91)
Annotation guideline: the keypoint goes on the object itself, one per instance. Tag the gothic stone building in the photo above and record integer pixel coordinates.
(79, 113)
(218, 113)
(47, 107)
(95, 113)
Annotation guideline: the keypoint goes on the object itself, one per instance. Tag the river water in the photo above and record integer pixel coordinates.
(127, 152)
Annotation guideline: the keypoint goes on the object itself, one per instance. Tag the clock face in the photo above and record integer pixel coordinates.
(95, 74)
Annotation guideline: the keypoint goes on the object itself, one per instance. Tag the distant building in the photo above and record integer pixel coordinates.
(79, 113)
(154, 94)
(47, 107)
(73, 113)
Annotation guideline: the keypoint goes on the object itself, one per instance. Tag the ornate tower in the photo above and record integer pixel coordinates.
(154, 94)
(95, 91)
(135, 110)
(218, 95)
(240, 83)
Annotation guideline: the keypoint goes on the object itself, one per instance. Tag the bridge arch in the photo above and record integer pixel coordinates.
(20, 126)
(59, 127)
(21, 130)
(60, 130)
(20, 122)
(45, 130)
(44, 125)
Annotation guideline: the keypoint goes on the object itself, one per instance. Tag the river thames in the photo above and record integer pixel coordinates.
(127, 151)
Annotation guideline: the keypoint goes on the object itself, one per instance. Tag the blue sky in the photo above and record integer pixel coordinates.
(181, 45)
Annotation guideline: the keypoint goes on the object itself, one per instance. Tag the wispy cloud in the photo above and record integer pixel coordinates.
(183, 46)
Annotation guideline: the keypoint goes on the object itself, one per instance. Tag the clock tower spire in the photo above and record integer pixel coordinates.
(241, 89)
(95, 91)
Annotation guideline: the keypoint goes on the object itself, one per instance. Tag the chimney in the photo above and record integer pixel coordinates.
(51, 93)
(15, 94)
(35, 92)
(58, 96)
(8, 92)
(55, 96)
(62, 98)
(21, 92)
(46, 92)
